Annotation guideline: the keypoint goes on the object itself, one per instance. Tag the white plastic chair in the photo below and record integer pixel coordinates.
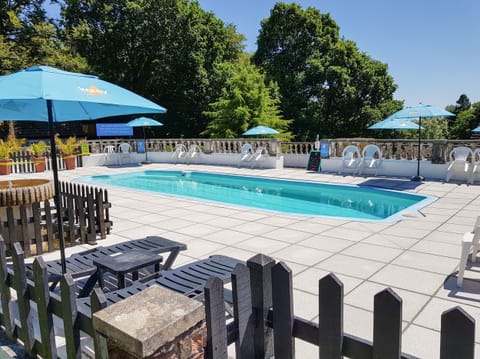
(193, 152)
(124, 150)
(109, 154)
(475, 165)
(246, 152)
(350, 159)
(371, 158)
(180, 151)
(459, 156)
(470, 241)
(259, 155)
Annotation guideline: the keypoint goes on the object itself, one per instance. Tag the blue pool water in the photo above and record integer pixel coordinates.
(294, 197)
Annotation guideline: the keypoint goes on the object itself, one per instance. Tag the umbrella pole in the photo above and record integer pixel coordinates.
(56, 184)
(145, 144)
(419, 178)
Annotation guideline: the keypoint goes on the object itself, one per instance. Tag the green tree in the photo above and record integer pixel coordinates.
(327, 85)
(246, 102)
(466, 121)
(168, 51)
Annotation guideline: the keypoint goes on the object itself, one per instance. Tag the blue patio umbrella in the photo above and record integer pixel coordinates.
(476, 129)
(419, 111)
(395, 124)
(144, 122)
(47, 94)
(260, 130)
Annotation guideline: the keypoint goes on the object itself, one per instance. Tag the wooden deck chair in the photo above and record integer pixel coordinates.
(189, 279)
(80, 265)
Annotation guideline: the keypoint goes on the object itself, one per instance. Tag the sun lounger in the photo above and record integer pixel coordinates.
(81, 264)
(189, 280)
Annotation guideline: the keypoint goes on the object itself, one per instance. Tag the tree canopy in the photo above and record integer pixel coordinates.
(327, 85)
(168, 51)
(246, 102)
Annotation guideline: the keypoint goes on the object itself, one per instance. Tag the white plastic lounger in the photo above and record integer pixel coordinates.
(180, 152)
(124, 150)
(470, 241)
(193, 152)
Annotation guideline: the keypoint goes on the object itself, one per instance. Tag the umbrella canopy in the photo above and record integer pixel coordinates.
(476, 129)
(419, 111)
(144, 122)
(395, 124)
(260, 130)
(43, 93)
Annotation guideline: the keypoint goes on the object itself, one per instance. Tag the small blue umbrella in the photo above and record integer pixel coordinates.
(476, 129)
(260, 130)
(420, 111)
(47, 94)
(395, 124)
(144, 122)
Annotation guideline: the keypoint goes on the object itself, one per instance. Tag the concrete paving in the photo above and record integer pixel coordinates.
(415, 256)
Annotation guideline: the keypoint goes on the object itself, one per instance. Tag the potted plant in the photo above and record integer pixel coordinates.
(38, 150)
(7, 147)
(68, 149)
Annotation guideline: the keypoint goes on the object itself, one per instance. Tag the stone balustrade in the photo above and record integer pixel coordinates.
(435, 150)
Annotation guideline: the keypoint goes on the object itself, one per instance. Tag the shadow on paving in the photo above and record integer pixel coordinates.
(469, 292)
(396, 184)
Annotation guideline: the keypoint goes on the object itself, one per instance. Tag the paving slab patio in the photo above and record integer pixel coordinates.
(415, 256)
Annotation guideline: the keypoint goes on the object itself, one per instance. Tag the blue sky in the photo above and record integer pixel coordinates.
(432, 47)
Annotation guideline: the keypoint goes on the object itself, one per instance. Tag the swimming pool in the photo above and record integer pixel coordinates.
(293, 197)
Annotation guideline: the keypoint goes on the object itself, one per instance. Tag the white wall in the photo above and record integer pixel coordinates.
(400, 168)
(217, 159)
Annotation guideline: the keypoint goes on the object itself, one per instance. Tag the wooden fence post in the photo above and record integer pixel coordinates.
(261, 288)
(215, 317)
(98, 301)
(387, 325)
(45, 318)
(457, 334)
(23, 299)
(330, 313)
(69, 309)
(282, 293)
(8, 318)
(243, 313)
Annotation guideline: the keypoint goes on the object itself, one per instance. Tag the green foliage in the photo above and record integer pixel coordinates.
(68, 147)
(246, 102)
(169, 51)
(327, 85)
(9, 146)
(465, 122)
(38, 149)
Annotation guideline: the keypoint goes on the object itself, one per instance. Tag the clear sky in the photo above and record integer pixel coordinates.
(432, 47)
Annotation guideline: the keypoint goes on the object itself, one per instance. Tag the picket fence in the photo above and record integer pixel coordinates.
(85, 217)
(264, 325)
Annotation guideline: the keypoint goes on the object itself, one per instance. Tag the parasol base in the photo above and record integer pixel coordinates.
(417, 178)
(146, 162)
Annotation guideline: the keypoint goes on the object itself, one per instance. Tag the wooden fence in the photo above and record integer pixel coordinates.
(23, 162)
(28, 315)
(85, 217)
(264, 324)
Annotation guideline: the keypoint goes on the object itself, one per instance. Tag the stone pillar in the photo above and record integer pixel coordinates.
(156, 323)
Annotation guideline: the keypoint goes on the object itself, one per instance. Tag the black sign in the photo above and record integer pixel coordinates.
(314, 161)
